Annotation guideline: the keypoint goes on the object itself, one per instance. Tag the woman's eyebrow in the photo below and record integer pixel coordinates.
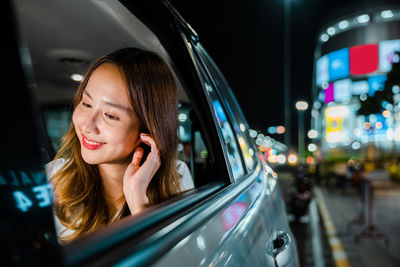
(87, 93)
(110, 103)
(127, 109)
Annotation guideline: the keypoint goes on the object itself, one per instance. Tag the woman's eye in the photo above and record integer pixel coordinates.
(111, 117)
(86, 105)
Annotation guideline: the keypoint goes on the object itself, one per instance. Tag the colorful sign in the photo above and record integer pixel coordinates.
(376, 83)
(334, 132)
(329, 94)
(363, 59)
(387, 54)
(322, 70)
(359, 87)
(339, 64)
(342, 90)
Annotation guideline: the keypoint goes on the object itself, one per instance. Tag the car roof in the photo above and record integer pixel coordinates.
(63, 37)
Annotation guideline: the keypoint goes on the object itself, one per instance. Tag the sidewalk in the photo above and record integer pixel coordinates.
(344, 205)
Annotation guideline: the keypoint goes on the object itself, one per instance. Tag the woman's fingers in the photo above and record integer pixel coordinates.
(148, 140)
(154, 155)
(133, 167)
(137, 178)
(137, 156)
(142, 175)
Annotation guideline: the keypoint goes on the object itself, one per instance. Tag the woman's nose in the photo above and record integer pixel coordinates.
(90, 124)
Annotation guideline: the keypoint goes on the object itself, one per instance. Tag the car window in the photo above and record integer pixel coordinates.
(191, 149)
(56, 121)
(229, 141)
(239, 123)
(228, 135)
(59, 61)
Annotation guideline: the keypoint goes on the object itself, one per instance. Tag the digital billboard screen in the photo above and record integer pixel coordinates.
(335, 131)
(376, 83)
(363, 59)
(322, 70)
(359, 87)
(339, 64)
(387, 54)
(329, 94)
(342, 90)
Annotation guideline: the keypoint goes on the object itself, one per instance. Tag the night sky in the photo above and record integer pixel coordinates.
(245, 39)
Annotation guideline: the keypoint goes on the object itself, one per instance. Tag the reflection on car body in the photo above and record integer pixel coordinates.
(235, 215)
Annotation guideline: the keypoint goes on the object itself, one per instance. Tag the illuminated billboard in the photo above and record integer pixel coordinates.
(335, 132)
(387, 54)
(363, 59)
(339, 64)
(342, 90)
(376, 83)
(322, 71)
(329, 94)
(359, 87)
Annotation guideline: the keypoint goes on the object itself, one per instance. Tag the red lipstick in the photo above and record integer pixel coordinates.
(90, 144)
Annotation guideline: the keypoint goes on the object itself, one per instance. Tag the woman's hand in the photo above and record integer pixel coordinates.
(137, 178)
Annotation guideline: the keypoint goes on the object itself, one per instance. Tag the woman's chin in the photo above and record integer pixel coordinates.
(92, 160)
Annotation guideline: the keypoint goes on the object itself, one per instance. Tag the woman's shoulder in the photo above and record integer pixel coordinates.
(186, 180)
(54, 166)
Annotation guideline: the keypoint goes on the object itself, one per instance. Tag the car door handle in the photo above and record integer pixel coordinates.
(279, 242)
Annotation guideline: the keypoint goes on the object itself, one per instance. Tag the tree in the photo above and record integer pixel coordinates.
(389, 94)
(373, 104)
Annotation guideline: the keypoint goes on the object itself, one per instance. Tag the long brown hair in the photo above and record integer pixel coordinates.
(80, 204)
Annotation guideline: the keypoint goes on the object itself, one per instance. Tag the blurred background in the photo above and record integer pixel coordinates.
(319, 83)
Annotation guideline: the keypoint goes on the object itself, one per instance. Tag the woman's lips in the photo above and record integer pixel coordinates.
(90, 144)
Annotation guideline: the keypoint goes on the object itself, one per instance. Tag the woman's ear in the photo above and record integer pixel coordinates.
(137, 141)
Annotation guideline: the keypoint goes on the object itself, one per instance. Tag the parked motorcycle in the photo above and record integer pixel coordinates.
(301, 195)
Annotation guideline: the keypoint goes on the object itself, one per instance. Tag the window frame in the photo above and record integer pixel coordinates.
(230, 101)
(230, 116)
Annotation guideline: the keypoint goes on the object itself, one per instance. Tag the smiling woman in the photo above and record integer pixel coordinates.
(105, 119)
(119, 155)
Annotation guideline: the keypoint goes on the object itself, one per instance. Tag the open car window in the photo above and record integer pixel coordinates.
(61, 49)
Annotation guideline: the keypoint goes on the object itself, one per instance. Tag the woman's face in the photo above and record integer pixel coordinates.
(104, 120)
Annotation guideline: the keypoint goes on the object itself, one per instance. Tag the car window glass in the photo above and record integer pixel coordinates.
(239, 123)
(57, 121)
(230, 144)
(227, 133)
(248, 152)
(190, 137)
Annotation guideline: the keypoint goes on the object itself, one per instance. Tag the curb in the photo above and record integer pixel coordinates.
(337, 251)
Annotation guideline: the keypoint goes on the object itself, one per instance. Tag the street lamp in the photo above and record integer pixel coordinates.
(286, 70)
(301, 106)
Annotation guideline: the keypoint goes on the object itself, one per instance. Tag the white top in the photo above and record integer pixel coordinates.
(186, 183)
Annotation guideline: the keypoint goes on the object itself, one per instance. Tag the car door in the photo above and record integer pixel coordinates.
(281, 230)
(276, 221)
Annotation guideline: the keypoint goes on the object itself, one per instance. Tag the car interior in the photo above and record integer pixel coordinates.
(65, 38)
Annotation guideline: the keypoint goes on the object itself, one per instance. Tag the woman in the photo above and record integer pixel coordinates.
(127, 102)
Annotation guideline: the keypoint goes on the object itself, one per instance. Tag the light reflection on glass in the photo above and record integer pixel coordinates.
(227, 133)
